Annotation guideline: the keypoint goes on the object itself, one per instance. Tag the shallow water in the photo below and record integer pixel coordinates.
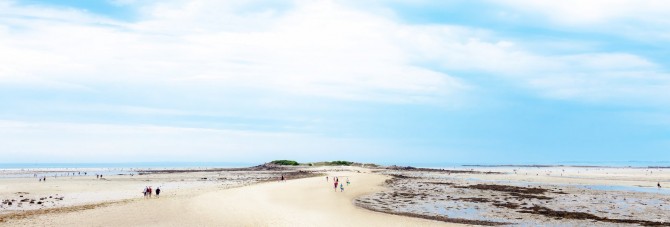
(454, 209)
(665, 191)
(51, 173)
(625, 188)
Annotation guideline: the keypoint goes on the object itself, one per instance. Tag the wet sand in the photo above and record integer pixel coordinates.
(583, 196)
(528, 196)
(295, 202)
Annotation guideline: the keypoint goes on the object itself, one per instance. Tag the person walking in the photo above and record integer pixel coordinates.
(158, 192)
(335, 186)
(341, 187)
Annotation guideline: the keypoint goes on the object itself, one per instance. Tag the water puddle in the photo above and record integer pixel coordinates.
(624, 188)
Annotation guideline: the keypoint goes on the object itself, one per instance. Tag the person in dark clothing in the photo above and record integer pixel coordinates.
(158, 192)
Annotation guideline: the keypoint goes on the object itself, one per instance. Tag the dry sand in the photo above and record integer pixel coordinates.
(236, 198)
(299, 202)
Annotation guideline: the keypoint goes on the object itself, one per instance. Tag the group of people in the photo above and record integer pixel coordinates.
(44, 178)
(148, 192)
(337, 182)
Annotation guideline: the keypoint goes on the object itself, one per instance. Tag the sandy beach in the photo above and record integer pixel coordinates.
(391, 196)
(243, 113)
(304, 202)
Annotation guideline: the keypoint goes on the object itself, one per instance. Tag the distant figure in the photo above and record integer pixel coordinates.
(149, 192)
(100, 176)
(341, 187)
(326, 178)
(347, 181)
(97, 176)
(146, 189)
(282, 177)
(158, 192)
(659, 184)
(335, 186)
(40, 179)
(44, 179)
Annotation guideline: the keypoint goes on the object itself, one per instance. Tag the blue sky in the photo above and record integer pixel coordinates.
(376, 81)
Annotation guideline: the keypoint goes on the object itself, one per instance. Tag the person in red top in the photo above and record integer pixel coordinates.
(146, 189)
(335, 186)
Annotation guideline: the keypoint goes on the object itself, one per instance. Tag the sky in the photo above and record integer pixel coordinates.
(385, 81)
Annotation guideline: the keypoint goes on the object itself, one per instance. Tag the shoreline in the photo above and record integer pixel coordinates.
(233, 165)
(575, 166)
(526, 196)
(479, 196)
(303, 201)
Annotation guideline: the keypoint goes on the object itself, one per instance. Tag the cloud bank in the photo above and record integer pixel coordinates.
(301, 72)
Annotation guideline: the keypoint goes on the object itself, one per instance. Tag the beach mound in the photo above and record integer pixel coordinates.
(267, 167)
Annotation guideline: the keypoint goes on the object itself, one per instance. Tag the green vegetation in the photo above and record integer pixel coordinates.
(339, 163)
(334, 163)
(331, 163)
(285, 162)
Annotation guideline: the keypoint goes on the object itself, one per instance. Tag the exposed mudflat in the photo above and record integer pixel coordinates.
(461, 198)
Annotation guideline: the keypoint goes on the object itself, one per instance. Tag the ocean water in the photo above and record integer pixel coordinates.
(177, 165)
(134, 165)
(55, 170)
(637, 164)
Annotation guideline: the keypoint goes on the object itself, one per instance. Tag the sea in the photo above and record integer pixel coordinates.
(136, 165)
(19, 170)
(192, 165)
(22, 170)
(633, 164)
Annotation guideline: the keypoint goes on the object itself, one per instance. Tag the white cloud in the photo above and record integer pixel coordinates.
(643, 21)
(612, 77)
(587, 13)
(596, 77)
(613, 87)
(317, 49)
(74, 142)
(241, 59)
